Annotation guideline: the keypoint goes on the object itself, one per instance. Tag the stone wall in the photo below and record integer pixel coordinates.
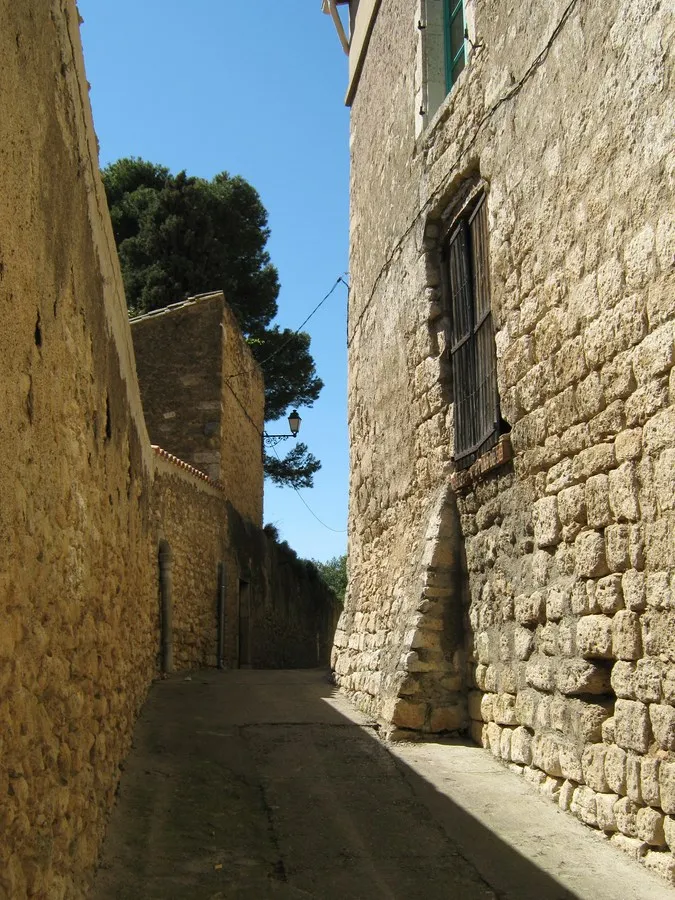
(530, 599)
(179, 361)
(203, 394)
(77, 606)
(85, 503)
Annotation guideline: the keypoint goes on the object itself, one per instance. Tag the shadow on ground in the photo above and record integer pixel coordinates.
(267, 784)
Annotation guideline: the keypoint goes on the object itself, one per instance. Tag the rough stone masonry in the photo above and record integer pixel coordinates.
(528, 598)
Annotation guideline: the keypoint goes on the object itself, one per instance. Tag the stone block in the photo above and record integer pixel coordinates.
(654, 356)
(479, 676)
(504, 709)
(535, 777)
(594, 637)
(649, 827)
(505, 744)
(521, 746)
(605, 811)
(658, 590)
(649, 780)
(624, 680)
(608, 731)
(632, 846)
(530, 609)
(633, 771)
(523, 642)
(567, 638)
(628, 444)
(577, 676)
(617, 547)
(664, 480)
(409, 715)
(548, 639)
(661, 863)
(579, 599)
(570, 761)
(566, 795)
(557, 603)
(607, 423)
(634, 592)
(546, 522)
(667, 786)
(494, 736)
(662, 719)
(546, 754)
(590, 396)
(597, 501)
(615, 769)
(632, 727)
(594, 460)
(526, 707)
(572, 505)
(583, 806)
(659, 432)
(623, 493)
(539, 673)
(669, 831)
(447, 718)
(591, 561)
(625, 812)
(608, 595)
(626, 635)
(658, 634)
(593, 766)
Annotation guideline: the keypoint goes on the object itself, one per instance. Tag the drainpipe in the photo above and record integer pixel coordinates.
(166, 606)
(221, 616)
(329, 7)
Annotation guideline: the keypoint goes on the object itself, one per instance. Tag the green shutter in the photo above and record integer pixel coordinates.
(453, 33)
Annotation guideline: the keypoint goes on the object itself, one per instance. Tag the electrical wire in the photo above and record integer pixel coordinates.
(339, 280)
(334, 530)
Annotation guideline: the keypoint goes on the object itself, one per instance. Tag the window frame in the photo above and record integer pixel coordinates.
(470, 342)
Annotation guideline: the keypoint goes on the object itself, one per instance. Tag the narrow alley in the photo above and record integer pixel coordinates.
(256, 784)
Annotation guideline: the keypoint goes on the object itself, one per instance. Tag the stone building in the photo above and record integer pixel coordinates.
(512, 392)
(117, 559)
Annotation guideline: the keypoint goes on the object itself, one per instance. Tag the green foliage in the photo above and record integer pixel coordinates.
(334, 573)
(296, 469)
(178, 236)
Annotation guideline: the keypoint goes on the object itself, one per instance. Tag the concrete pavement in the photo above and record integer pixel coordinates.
(256, 784)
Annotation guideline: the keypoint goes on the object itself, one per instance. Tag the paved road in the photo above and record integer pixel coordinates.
(262, 785)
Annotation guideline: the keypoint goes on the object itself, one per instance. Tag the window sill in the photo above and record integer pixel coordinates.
(464, 479)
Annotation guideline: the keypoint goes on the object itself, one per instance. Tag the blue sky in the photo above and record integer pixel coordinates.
(255, 89)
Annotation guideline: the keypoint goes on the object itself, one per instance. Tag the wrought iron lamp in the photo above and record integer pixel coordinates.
(294, 421)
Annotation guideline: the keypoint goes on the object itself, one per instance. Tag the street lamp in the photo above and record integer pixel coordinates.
(294, 421)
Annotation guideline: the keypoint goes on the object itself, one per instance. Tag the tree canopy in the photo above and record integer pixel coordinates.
(334, 573)
(177, 236)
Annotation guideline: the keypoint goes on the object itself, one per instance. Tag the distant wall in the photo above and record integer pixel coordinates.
(179, 360)
(203, 394)
(242, 423)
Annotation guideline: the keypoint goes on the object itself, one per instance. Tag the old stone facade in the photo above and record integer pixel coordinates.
(117, 558)
(523, 590)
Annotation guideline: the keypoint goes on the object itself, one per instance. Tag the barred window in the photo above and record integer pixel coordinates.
(464, 258)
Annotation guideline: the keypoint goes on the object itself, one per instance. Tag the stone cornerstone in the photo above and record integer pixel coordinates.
(527, 597)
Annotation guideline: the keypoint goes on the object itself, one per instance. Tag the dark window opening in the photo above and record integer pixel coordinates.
(465, 268)
(38, 332)
(108, 424)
